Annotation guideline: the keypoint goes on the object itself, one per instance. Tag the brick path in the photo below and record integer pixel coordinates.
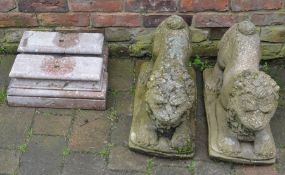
(37, 141)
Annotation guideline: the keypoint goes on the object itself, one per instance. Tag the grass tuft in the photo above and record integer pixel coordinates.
(104, 153)
(3, 96)
(199, 63)
(149, 167)
(66, 151)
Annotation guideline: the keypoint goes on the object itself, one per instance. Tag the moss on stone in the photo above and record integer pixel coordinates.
(198, 35)
(8, 48)
(117, 34)
(282, 52)
(2, 36)
(188, 148)
(142, 46)
(273, 34)
(14, 35)
(207, 48)
(117, 50)
(270, 51)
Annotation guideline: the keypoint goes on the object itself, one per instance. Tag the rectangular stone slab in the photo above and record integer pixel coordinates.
(60, 93)
(62, 43)
(56, 84)
(55, 67)
(56, 102)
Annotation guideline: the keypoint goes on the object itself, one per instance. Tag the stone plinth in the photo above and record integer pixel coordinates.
(60, 71)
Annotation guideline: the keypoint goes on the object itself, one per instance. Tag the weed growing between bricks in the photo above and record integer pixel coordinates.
(3, 96)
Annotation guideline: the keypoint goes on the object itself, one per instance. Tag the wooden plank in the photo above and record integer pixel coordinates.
(62, 43)
(56, 102)
(32, 92)
(54, 67)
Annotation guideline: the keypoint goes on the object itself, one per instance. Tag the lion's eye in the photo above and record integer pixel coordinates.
(266, 108)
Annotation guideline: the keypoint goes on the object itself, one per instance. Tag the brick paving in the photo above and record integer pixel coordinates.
(38, 141)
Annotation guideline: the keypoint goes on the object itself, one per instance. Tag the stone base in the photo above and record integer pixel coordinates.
(51, 98)
(44, 102)
(141, 124)
(247, 155)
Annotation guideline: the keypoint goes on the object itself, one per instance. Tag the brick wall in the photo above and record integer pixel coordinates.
(128, 24)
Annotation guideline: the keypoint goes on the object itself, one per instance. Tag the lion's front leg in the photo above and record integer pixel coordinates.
(264, 144)
(147, 135)
(181, 136)
(227, 141)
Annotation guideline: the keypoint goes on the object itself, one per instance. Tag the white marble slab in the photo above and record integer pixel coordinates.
(63, 43)
(53, 67)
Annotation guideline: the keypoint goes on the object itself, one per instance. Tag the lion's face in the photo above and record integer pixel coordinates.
(254, 99)
(254, 112)
(170, 96)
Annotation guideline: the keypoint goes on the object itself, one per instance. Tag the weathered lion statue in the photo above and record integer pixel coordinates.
(240, 100)
(165, 95)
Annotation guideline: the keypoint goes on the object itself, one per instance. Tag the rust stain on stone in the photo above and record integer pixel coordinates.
(66, 40)
(58, 65)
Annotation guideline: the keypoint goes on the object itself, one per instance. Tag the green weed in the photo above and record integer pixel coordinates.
(104, 153)
(114, 92)
(149, 167)
(3, 50)
(199, 63)
(30, 134)
(112, 115)
(265, 67)
(66, 151)
(191, 167)
(185, 149)
(3, 96)
(23, 147)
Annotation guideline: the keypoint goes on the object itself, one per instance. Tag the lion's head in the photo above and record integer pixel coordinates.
(253, 99)
(170, 96)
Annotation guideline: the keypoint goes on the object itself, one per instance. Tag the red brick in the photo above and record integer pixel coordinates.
(203, 5)
(216, 19)
(17, 20)
(245, 5)
(7, 5)
(96, 5)
(263, 19)
(116, 20)
(61, 19)
(155, 20)
(256, 170)
(43, 5)
(147, 5)
(187, 19)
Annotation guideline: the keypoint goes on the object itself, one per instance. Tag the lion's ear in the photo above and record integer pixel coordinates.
(276, 88)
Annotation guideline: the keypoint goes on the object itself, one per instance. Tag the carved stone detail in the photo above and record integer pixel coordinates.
(240, 100)
(165, 95)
